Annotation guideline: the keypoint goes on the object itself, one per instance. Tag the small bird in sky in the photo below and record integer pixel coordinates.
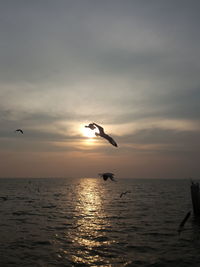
(19, 130)
(107, 175)
(124, 193)
(101, 133)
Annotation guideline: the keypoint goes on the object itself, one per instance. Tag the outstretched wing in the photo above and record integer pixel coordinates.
(110, 140)
(104, 135)
(110, 175)
(19, 130)
(106, 175)
(101, 130)
(112, 179)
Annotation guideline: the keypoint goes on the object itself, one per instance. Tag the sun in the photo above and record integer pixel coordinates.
(87, 132)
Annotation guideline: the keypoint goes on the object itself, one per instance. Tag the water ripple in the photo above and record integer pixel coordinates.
(83, 222)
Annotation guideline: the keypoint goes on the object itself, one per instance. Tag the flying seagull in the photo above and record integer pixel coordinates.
(19, 130)
(124, 193)
(107, 175)
(101, 133)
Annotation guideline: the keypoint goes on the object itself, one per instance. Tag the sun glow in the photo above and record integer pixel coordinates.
(88, 132)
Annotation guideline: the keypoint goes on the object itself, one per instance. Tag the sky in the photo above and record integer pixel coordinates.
(131, 66)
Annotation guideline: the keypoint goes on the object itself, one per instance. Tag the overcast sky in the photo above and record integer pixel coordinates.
(132, 66)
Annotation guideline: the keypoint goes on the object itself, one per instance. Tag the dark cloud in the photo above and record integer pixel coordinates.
(181, 104)
(176, 144)
(47, 40)
(162, 136)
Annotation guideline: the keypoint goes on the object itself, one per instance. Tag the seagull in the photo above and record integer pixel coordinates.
(124, 193)
(19, 130)
(107, 175)
(101, 133)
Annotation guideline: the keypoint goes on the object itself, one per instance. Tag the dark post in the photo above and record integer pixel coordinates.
(195, 199)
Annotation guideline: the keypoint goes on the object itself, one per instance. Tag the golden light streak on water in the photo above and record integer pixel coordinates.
(92, 219)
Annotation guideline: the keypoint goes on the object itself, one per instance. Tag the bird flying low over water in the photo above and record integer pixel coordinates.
(19, 130)
(101, 133)
(124, 193)
(107, 175)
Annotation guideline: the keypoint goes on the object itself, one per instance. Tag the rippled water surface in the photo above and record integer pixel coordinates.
(84, 222)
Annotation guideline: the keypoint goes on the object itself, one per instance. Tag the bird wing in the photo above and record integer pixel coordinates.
(108, 174)
(110, 140)
(104, 135)
(19, 130)
(112, 178)
(101, 130)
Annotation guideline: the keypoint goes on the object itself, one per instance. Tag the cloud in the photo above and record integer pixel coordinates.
(132, 67)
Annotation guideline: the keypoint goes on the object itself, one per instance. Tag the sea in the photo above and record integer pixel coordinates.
(85, 222)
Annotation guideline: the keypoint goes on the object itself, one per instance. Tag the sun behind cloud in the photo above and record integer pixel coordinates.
(87, 132)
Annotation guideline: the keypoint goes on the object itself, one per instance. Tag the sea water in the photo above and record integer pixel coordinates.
(84, 222)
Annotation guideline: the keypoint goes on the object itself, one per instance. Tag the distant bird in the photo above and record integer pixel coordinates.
(107, 175)
(101, 133)
(124, 193)
(19, 130)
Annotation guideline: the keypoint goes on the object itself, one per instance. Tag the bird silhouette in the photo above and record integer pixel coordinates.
(101, 133)
(19, 130)
(107, 175)
(124, 193)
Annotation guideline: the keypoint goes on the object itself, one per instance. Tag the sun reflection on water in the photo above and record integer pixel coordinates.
(90, 205)
(88, 239)
(92, 220)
